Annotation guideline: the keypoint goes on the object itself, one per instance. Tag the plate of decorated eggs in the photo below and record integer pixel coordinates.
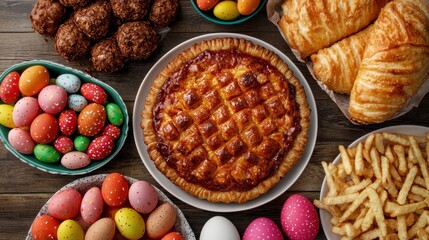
(58, 119)
(110, 206)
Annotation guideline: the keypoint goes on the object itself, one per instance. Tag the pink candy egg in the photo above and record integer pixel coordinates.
(21, 141)
(25, 111)
(299, 218)
(52, 99)
(262, 228)
(92, 205)
(75, 160)
(65, 204)
(143, 197)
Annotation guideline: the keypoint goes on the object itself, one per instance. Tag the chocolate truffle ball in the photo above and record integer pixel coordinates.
(106, 56)
(137, 40)
(70, 42)
(130, 10)
(164, 12)
(94, 19)
(47, 16)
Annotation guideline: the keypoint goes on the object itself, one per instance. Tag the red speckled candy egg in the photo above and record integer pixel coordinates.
(52, 99)
(9, 88)
(44, 128)
(299, 218)
(94, 93)
(63, 144)
(65, 204)
(67, 122)
(100, 147)
(91, 120)
(115, 189)
(33, 79)
(112, 130)
(44, 227)
(25, 111)
(21, 141)
(173, 236)
(262, 228)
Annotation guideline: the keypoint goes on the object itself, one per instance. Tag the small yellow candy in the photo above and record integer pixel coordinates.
(226, 10)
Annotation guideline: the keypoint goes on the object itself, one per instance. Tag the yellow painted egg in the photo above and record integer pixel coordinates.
(226, 10)
(6, 115)
(70, 230)
(33, 80)
(130, 223)
(247, 7)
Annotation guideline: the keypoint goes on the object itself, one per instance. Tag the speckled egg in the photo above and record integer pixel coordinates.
(25, 111)
(21, 141)
(161, 221)
(70, 82)
(91, 120)
(103, 229)
(173, 236)
(52, 99)
(262, 228)
(143, 197)
(63, 144)
(77, 102)
(81, 143)
(33, 80)
(112, 130)
(299, 218)
(44, 128)
(115, 114)
(9, 89)
(226, 10)
(94, 93)
(44, 227)
(115, 189)
(70, 230)
(67, 122)
(65, 204)
(6, 116)
(130, 223)
(75, 160)
(100, 147)
(92, 205)
(46, 153)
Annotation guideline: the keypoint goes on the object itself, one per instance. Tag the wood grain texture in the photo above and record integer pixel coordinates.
(24, 189)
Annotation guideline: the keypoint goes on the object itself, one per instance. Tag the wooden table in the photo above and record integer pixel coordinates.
(24, 189)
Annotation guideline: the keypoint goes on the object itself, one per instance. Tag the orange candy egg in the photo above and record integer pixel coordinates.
(247, 7)
(91, 120)
(33, 80)
(173, 236)
(44, 128)
(115, 190)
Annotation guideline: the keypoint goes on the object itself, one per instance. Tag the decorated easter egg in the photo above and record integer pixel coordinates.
(299, 218)
(52, 99)
(262, 228)
(44, 227)
(9, 88)
(92, 205)
(6, 116)
(44, 128)
(25, 111)
(21, 141)
(70, 230)
(143, 197)
(91, 120)
(94, 93)
(247, 7)
(226, 10)
(103, 229)
(115, 114)
(206, 4)
(46, 153)
(33, 80)
(100, 147)
(77, 102)
(67, 122)
(70, 82)
(130, 223)
(81, 143)
(65, 204)
(211, 229)
(75, 160)
(112, 130)
(63, 144)
(161, 221)
(173, 236)
(115, 189)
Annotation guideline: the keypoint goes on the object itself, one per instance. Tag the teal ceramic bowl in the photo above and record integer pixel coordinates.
(212, 18)
(56, 168)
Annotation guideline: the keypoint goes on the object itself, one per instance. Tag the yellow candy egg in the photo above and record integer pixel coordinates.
(247, 7)
(130, 223)
(226, 10)
(70, 230)
(6, 115)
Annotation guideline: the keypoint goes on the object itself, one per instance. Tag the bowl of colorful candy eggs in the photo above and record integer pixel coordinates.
(58, 119)
(228, 12)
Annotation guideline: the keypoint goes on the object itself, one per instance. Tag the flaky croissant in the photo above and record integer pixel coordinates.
(337, 65)
(310, 25)
(395, 62)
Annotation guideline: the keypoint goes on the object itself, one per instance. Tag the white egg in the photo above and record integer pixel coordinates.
(70, 83)
(219, 227)
(77, 102)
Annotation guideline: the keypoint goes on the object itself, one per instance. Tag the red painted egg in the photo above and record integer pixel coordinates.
(115, 190)
(112, 130)
(67, 122)
(94, 93)
(100, 147)
(44, 128)
(63, 144)
(44, 227)
(9, 88)
(91, 120)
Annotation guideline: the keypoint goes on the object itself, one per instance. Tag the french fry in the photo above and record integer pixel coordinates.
(378, 211)
(392, 236)
(378, 141)
(356, 203)
(368, 221)
(358, 187)
(329, 180)
(420, 191)
(420, 223)
(408, 208)
(359, 163)
(385, 174)
(420, 160)
(367, 146)
(422, 234)
(346, 159)
(371, 234)
(375, 162)
(402, 228)
(400, 152)
(395, 138)
(340, 199)
(389, 154)
(402, 196)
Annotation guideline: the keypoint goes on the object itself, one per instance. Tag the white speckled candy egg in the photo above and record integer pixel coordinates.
(299, 218)
(52, 99)
(77, 102)
(25, 111)
(103, 229)
(75, 160)
(143, 197)
(70, 82)
(92, 205)
(21, 141)
(219, 227)
(262, 228)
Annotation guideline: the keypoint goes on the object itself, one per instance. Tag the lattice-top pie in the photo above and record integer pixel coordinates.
(226, 120)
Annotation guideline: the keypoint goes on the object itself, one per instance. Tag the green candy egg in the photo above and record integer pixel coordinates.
(46, 153)
(114, 114)
(81, 143)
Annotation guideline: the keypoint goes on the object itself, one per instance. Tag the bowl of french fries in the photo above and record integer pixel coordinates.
(378, 187)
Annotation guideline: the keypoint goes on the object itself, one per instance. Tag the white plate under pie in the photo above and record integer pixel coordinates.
(280, 187)
(325, 217)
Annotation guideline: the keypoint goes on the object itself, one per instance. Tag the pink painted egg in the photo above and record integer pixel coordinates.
(67, 121)
(9, 88)
(92, 205)
(25, 111)
(21, 141)
(63, 144)
(65, 204)
(100, 147)
(262, 228)
(52, 99)
(75, 160)
(143, 197)
(91, 120)
(94, 93)
(299, 218)
(112, 130)
(44, 128)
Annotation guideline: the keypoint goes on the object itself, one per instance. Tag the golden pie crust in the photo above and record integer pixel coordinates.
(226, 120)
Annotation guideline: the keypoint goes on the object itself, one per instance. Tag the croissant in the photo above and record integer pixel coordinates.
(395, 62)
(337, 65)
(310, 25)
